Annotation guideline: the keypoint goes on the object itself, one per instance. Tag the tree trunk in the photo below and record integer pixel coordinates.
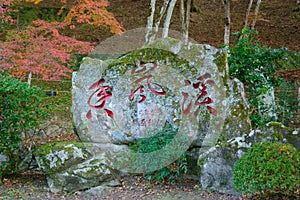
(161, 14)
(247, 13)
(227, 22)
(187, 23)
(185, 10)
(255, 13)
(182, 16)
(149, 29)
(29, 79)
(168, 19)
(227, 32)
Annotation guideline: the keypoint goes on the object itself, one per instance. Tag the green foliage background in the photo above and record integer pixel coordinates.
(21, 110)
(256, 66)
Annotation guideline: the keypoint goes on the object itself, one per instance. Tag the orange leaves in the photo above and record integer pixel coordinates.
(92, 12)
(55, 32)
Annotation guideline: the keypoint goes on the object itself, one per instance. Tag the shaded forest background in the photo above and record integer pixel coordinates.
(278, 21)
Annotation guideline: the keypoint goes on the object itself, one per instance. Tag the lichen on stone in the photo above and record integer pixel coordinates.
(57, 156)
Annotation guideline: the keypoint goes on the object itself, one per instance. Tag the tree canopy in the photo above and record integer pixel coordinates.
(39, 46)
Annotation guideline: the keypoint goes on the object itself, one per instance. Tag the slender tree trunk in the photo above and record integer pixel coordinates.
(255, 14)
(29, 79)
(149, 29)
(247, 18)
(168, 18)
(227, 22)
(227, 31)
(1, 12)
(185, 11)
(182, 16)
(161, 14)
(18, 21)
(247, 13)
(187, 23)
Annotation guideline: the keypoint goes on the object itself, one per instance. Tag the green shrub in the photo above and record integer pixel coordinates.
(269, 170)
(20, 112)
(156, 142)
(255, 66)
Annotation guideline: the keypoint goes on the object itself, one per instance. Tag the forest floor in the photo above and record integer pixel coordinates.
(33, 186)
(278, 25)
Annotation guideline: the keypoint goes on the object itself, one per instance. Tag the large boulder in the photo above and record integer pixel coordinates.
(74, 166)
(133, 119)
(167, 82)
(119, 101)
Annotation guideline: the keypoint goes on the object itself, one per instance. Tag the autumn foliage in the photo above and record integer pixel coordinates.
(4, 8)
(39, 48)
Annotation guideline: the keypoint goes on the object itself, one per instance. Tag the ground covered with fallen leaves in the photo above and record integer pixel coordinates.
(33, 186)
(137, 187)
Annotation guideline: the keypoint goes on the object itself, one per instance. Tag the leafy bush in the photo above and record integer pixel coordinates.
(20, 112)
(156, 142)
(255, 66)
(269, 170)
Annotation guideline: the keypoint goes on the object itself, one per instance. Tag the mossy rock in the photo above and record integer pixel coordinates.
(58, 156)
(277, 132)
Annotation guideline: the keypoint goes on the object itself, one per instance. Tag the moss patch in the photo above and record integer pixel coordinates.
(148, 55)
(58, 156)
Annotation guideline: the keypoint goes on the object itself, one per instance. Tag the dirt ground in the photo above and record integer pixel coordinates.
(278, 26)
(33, 186)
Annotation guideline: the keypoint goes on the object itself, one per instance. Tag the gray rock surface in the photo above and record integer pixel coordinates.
(74, 166)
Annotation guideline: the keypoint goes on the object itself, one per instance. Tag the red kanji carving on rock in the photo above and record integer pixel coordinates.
(102, 93)
(188, 108)
(202, 86)
(141, 89)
